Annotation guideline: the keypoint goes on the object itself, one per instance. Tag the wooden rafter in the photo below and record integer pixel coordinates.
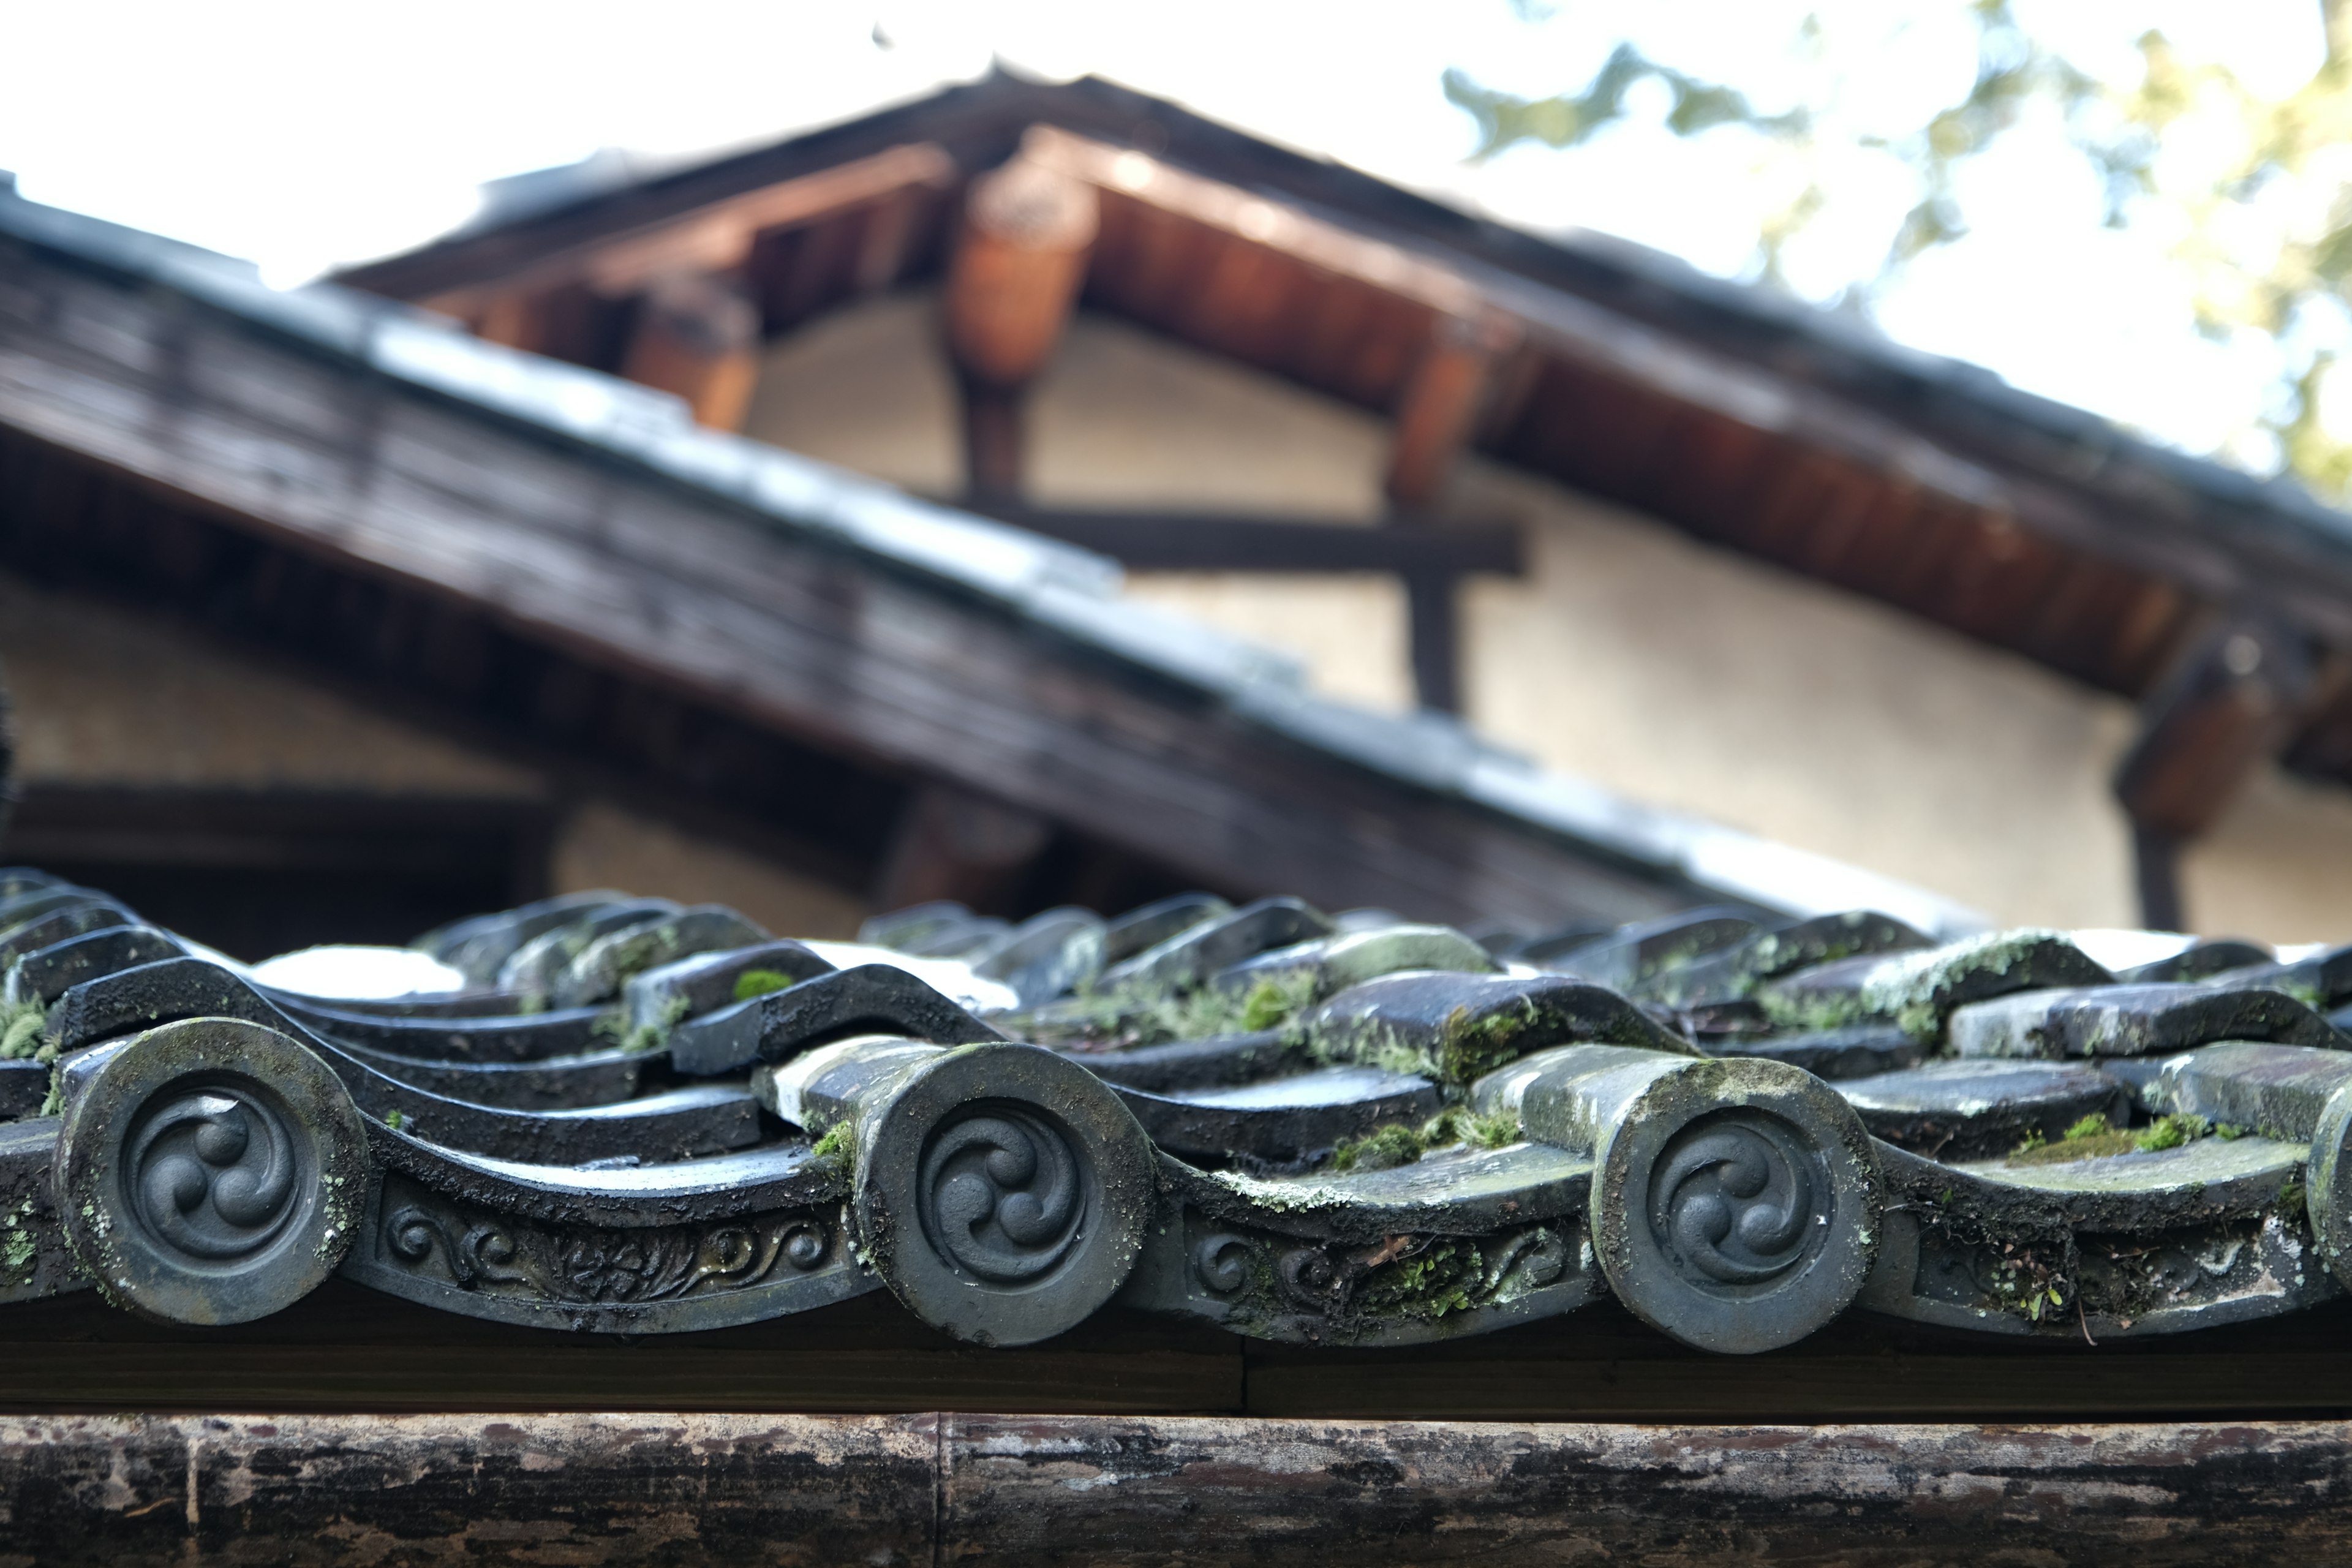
(716, 237)
(1280, 229)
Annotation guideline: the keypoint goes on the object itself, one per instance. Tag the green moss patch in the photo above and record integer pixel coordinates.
(1470, 1048)
(1381, 1148)
(2093, 1137)
(613, 1023)
(1386, 1147)
(1445, 1276)
(1270, 1001)
(1135, 1015)
(19, 1247)
(20, 1031)
(761, 983)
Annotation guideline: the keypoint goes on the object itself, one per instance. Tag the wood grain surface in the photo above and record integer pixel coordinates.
(935, 1489)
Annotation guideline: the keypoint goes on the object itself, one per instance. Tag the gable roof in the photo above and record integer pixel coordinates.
(565, 561)
(1747, 418)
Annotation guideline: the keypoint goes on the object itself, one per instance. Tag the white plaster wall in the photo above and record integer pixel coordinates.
(103, 697)
(1348, 631)
(1124, 417)
(1689, 676)
(867, 388)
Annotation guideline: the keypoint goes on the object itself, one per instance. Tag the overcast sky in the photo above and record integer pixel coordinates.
(307, 135)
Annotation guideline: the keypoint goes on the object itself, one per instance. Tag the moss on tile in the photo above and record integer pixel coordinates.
(2093, 1137)
(761, 983)
(20, 1030)
(1399, 1143)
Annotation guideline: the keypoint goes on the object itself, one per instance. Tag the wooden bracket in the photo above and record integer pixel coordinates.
(1027, 233)
(1442, 401)
(2230, 703)
(1019, 262)
(698, 335)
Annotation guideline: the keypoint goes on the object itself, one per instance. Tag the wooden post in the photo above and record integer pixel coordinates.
(2223, 709)
(953, 845)
(1440, 404)
(2156, 867)
(698, 335)
(993, 440)
(1019, 262)
(1434, 629)
(2226, 707)
(1439, 409)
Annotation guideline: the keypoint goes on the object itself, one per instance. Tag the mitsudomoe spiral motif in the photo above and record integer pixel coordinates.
(1733, 1200)
(212, 1173)
(1001, 1193)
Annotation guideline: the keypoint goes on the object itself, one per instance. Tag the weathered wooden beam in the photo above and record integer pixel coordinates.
(953, 844)
(1441, 404)
(1211, 541)
(620, 1490)
(347, 1347)
(1144, 1490)
(2229, 704)
(698, 335)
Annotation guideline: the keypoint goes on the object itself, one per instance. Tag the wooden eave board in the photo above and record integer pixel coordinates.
(348, 1348)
